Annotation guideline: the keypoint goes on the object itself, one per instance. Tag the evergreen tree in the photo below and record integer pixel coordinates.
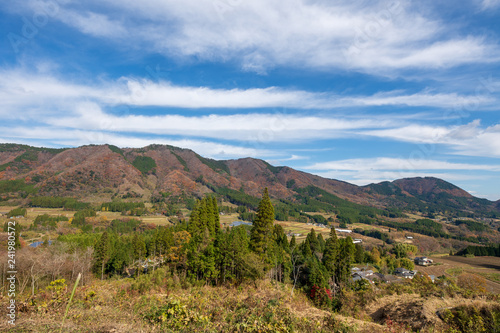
(330, 255)
(102, 251)
(293, 243)
(280, 237)
(205, 214)
(215, 210)
(120, 256)
(194, 219)
(315, 273)
(313, 241)
(138, 247)
(278, 255)
(209, 221)
(359, 256)
(306, 249)
(321, 243)
(345, 258)
(263, 224)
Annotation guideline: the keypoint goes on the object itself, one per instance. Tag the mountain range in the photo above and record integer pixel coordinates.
(100, 171)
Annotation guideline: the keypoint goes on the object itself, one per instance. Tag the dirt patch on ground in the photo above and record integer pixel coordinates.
(405, 313)
(407, 310)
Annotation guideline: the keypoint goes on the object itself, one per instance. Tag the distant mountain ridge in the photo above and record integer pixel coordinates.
(106, 170)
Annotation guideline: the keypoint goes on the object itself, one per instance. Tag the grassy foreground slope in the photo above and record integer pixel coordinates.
(162, 302)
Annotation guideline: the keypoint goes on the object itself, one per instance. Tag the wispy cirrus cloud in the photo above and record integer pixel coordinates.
(402, 164)
(373, 37)
(20, 88)
(69, 104)
(71, 137)
(267, 127)
(489, 4)
(470, 139)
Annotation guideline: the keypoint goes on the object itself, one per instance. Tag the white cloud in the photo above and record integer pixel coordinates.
(402, 164)
(364, 171)
(440, 54)
(469, 139)
(46, 99)
(440, 100)
(147, 93)
(93, 23)
(25, 96)
(372, 37)
(254, 127)
(489, 4)
(20, 88)
(54, 136)
(287, 159)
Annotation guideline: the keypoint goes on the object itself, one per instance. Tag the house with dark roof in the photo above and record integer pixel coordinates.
(423, 261)
(359, 274)
(405, 273)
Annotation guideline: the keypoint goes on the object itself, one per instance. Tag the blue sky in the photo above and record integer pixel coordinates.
(361, 91)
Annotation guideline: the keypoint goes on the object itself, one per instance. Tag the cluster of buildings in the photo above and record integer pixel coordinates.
(370, 276)
(399, 273)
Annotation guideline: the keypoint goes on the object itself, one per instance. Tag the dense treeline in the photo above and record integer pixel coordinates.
(124, 226)
(426, 227)
(375, 234)
(472, 225)
(217, 166)
(19, 185)
(238, 197)
(121, 206)
(47, 222)
(79, 219)
(116, 149)
(58, 202)
(144, 164)
(17, 212)
(314, 199)
(493, 251)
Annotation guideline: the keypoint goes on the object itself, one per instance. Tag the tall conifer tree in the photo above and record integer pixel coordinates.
(216, 215)
(330, 256)
(102, 253)
(263, 224)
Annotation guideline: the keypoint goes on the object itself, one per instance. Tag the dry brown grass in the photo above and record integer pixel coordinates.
(156, 220)
(118, 307)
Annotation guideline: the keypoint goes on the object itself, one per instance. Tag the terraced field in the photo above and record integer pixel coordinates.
(487, 267)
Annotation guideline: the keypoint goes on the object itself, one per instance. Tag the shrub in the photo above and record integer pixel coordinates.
(17, 212)
(473, 318)
(175, 315)
(322, 297)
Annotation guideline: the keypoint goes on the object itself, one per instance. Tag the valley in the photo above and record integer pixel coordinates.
(150, 230)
